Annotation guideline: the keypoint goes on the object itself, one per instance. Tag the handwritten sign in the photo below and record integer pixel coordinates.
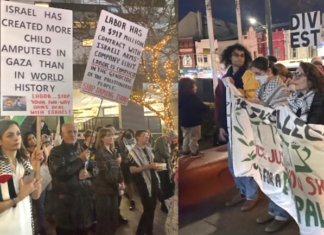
(36, 67)
(114, 58)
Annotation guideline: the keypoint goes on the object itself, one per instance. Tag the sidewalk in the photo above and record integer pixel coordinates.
(214, 218)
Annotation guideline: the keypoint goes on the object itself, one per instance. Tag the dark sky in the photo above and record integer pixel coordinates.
(225, 9)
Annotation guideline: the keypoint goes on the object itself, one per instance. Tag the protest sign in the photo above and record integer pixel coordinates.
(256, 148)
(36, 67)
(303, 148)
(114, 58)
(282, 154)
(305, 29)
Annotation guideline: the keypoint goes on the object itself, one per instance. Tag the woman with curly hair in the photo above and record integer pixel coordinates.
(307, 102)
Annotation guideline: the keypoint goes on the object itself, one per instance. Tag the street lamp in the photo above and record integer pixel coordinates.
(253, 21)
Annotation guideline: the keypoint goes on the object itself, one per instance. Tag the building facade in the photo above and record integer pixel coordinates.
(187, 53)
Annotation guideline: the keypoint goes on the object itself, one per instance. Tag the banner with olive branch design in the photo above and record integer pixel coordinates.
(283, 154)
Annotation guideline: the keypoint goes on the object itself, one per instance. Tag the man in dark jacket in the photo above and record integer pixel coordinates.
(72, 171)
(44, 127)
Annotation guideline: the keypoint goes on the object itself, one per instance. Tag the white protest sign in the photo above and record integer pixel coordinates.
(36, 60)
(305, 29)
(283, 154)
(256, 147)
(114, 58)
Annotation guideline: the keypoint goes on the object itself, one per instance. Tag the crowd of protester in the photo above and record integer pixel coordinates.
(261, 81)
(78, 187)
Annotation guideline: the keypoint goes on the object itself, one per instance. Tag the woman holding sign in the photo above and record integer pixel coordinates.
(271, 92)
(17, 181)
(307, 102)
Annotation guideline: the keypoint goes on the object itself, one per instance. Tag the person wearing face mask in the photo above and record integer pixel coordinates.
(126, 143)
(272, 91)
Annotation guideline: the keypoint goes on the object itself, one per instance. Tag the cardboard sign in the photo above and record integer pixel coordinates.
(305, 29)
(114, 58)
(36, 67)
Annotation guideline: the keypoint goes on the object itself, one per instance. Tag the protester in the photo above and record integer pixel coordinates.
(126, 143)
(285, 75)
(307, 102)
(162, 153)
(318, 62)
(15, 204)
(147, 181)
(121, 219)
(89, 138)
(172, 220)
(29, 141)
(191, 109)
(151, 140)
(72, 172)
(237, 59)
(107, 184)
(272, 91)
(44, 127)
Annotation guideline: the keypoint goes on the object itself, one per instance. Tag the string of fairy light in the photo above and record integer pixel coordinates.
(165, 85)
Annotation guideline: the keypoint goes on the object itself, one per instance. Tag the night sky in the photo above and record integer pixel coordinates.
(225, 9)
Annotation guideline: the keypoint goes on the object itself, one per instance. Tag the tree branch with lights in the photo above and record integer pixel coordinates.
(161, 82)
(158, 66)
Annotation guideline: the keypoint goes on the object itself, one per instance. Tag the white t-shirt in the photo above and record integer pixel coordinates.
(17, 220)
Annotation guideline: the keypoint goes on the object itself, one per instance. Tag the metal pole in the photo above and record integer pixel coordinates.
(238, 20)
(211, 42)
(269, 26)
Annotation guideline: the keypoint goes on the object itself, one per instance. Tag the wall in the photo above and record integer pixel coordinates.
(187, 49)
(203, 53)
(250, 41)
(132, 116)
(188, 26)
(278, 38)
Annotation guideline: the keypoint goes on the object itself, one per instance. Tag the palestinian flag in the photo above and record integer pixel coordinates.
(7, 187)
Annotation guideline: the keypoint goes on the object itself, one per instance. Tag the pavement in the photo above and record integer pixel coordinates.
(132, 216)
(212, 217)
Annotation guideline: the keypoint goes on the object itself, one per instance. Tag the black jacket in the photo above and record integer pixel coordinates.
(74, 197)
(44, 130)
(110, 176)
(191, 109)
(316, 112)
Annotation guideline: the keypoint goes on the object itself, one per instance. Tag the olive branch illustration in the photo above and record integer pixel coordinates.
(239, 130)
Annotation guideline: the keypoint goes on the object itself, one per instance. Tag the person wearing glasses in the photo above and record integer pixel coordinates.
(237, 59)
(307, 102)
(272, 91)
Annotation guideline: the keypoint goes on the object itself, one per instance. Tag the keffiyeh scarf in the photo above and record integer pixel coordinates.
(141, 160)
(300, 104)
(7, 187)
(129, 143)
